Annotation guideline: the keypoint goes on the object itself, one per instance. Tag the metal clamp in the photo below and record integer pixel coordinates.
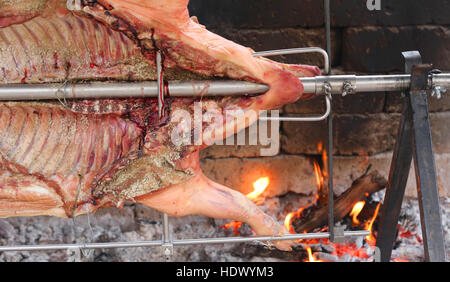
(338, 235)
(326, 70)
(348, 88)
(167, 247)
(167, 241)
(436, 90)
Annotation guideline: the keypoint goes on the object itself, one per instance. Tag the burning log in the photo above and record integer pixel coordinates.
(317, 216)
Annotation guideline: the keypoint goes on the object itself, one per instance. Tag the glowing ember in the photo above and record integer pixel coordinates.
(404, 233)
(357, 208)
(400, 260)
(259, 187)
(236, 225)
(261, 184)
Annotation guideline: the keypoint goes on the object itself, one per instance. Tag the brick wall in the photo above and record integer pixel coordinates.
(363, 41)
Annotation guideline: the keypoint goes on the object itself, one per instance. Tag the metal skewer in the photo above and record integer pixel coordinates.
(182, 242)
(98, 90)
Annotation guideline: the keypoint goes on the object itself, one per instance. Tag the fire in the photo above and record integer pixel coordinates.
(357, 208)
(370, 238)
(236, 225)
(400, 260)
(324, 160)
(311, 258)
(261, 184)
(319, 176)
(259, 187)
(288, 221)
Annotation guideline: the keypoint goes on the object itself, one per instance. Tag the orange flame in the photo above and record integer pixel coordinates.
(319, 176)
(400, 260)
(288, 222)
(370, 238)
(259, 187)
(320, 180)
(324, 160)
(357, 208)
(311, 258)
(236, 225)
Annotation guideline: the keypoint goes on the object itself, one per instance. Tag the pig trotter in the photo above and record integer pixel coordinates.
(200, 195)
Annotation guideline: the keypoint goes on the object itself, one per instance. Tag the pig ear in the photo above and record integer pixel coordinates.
(200, 195)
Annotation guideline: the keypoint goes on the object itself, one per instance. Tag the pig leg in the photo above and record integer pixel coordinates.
(202, 196)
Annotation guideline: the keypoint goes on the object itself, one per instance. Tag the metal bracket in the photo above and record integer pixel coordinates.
(167, 247)
(339, 237)
(436, 90)
(348, 88)
(413, 140)
(377, 254)
(75, 255)
(167, 240)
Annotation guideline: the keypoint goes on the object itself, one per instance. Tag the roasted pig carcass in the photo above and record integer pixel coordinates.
(70, 158)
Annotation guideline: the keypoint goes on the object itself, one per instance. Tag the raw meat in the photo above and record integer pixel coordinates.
(71, 159)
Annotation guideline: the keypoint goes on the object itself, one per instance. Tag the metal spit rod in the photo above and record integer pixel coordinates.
(327, 88)
(182, 242)
(338, 85)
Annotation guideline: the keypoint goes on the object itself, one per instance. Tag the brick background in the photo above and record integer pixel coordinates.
(377, 49)
(363, 42)
(309, 13)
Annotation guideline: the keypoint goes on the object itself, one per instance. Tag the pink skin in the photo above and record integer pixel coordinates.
(200, 195)
(188, 45)
(183, 41)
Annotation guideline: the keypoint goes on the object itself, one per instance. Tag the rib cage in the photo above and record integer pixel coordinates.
(50, 140)
(70, 47)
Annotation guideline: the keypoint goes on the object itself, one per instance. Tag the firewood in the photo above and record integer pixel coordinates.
(317, 216)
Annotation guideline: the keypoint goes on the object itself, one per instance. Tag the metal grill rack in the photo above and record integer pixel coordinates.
(416, 80)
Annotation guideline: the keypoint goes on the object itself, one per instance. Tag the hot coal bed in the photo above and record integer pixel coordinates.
(290, 180)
